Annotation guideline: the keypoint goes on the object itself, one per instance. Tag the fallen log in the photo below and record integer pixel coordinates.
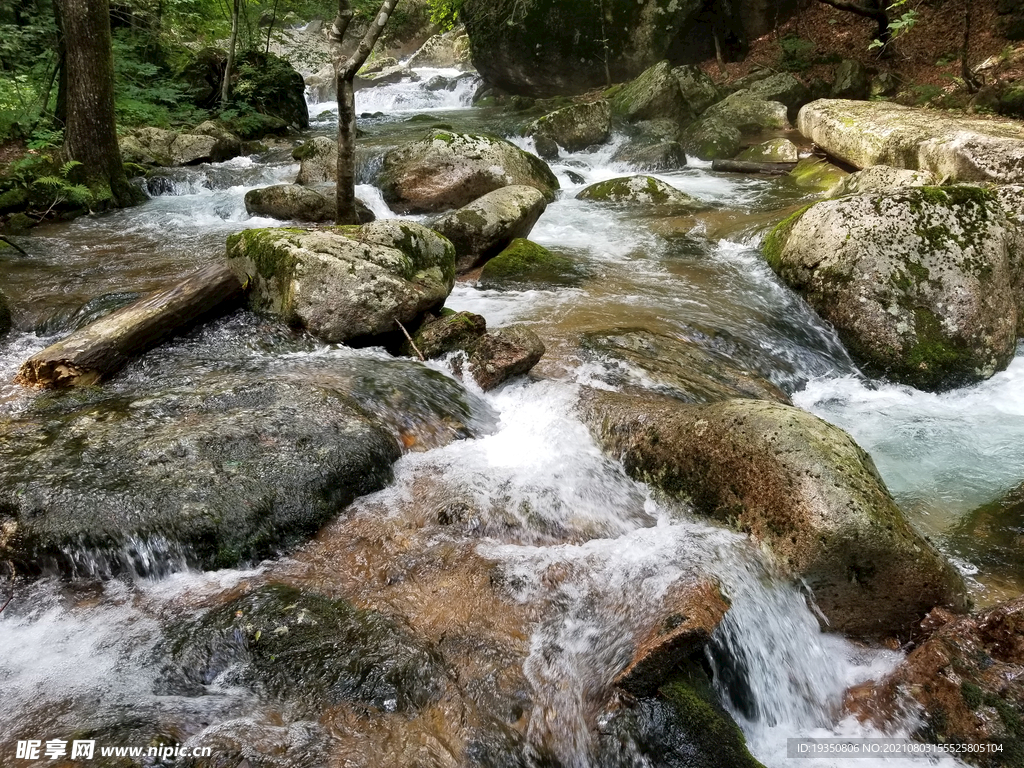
(749, 166)
(104, 347)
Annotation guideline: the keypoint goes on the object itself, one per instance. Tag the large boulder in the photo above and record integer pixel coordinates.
(712, 139)
(772, 151)
(918, 282)
(554, 47)
(293, 202)
(642, 190)
(957, 148)
(697, 88)
(654, 95)
(967, 676)
(226, 469)
(490, 223)
(448, 170)
(318, 160)
(720, 130)
(881, 178)
(271, 86)
(783, 88)
(348, 283)
(652, 145)
(157, 146)
(852, 81)
(449, 50)
(576, 127)
(446, 333)
(798, 485)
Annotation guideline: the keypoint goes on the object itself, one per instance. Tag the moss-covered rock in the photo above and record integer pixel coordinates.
(772, 151)
(816, 174)
(447, 170)
(654, 95)
(299, 646)
(490, 223)
(318, 160)
(641, 190)
(881, 178)
(989, 537)
(718, 132)
(783, 88)
(156, 146)
(651, 156)
(698, 89)
(348, 283)
(799, 486)
(448, 332)
(524, 264)
(576, 127)
(684, 726)
(675, 366)
(852, 81)
(917, 282)
(505, 353)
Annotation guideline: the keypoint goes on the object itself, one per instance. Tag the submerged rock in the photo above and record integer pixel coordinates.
(504, 353)
(817, 174)
(576, 127)
(346, 283)
(645, 190)
(866, 133)
(490, 223)
(524, 264)
(917, 282)
(448, 170)
(968, 678)
(798, 485)
(303, 647)
(675, 366)
(297, 203)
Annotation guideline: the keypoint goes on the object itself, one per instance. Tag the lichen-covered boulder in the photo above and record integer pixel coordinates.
(285, 643)
(576, 127)
(156, 146)
(783, 88)
(651, 155)
(504, 353)
(654, 95)
(448, 170)
(795, 483)
(881, 178)
(487, 225)
(954, 147)
(545, 48)
(293, 202)
(644, 190)
(448, 332)
(918, 282)
(348, 282)
(674, 366)
(771, 151)
(697, 88)
(229, 145)
(524, 264)
(967, 675)
(852, 81)
(749, 113)
(318, 160)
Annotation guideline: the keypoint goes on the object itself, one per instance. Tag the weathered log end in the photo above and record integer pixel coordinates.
(55, 374)
(104, 347)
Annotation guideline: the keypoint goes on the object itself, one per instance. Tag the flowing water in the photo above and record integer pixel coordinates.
(547, 561)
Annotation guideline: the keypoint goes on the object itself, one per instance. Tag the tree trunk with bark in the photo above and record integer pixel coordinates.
(104, 347)
(225, 89)
(870, 9)
(90, 132)
(346, 64)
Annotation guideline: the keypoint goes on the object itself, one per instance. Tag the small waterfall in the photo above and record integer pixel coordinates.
(425, 90)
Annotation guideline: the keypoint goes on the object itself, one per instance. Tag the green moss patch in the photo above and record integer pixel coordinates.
(524, 264)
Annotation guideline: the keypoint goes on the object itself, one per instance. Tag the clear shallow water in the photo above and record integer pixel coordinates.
(585, 555)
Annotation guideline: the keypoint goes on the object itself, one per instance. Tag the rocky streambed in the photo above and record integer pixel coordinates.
(638, 505)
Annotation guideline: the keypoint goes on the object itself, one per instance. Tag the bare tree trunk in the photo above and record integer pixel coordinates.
(90, 134)
(225, 90)
(345, 68)
(875, 9)
(970, 79)
(270, 27)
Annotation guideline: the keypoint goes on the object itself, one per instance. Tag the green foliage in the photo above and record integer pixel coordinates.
(145, 91)
(27, 60)
(445, 13)
(798, 54)
(41, 183)
(898, 26)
